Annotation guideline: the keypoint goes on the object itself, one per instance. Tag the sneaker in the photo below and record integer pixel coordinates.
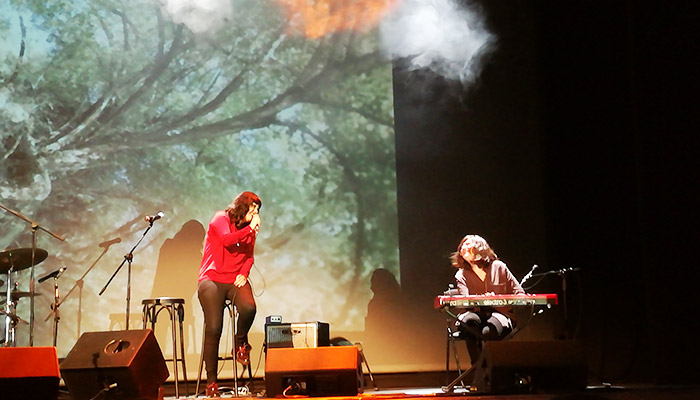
(243, 354)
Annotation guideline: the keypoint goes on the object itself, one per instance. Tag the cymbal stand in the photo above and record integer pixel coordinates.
(11, 317)
(9, 312)
(128, 258)
(34, 227)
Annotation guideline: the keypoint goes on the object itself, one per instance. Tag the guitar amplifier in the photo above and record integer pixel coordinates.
(297, 335)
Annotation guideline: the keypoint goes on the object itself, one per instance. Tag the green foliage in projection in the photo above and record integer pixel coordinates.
(110, 107)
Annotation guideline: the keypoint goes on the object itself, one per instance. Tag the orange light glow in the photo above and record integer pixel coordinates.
(317, 18)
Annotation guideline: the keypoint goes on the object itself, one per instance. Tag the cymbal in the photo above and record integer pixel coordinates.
(18, 294)
(19, 259)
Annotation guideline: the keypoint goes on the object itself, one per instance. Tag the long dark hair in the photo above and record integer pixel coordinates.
(239, 207)
(481, 249)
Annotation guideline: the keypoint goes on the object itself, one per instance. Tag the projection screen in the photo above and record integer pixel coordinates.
(112, 110)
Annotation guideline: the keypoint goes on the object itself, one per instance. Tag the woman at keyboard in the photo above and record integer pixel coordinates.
(480, 272)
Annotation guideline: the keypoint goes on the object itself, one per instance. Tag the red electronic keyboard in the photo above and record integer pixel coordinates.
(496, 300)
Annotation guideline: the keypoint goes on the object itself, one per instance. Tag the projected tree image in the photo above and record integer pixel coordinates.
(110, 110)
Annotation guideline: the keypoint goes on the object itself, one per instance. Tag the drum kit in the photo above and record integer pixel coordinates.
(11, 261)
(14, 260)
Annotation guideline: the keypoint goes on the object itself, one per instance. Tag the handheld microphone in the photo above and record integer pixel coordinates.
(54, 274)
(108, 243)
(151, 218)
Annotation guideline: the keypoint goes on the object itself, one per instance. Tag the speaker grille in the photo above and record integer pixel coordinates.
(297, 335)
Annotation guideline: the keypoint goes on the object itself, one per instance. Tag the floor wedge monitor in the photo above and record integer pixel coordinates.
(526, 366)
(120, 364)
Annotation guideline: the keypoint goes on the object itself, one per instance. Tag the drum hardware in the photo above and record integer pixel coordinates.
(18, 294)
(15, 318)
(13, 260)
(19, 259)
(35, 258)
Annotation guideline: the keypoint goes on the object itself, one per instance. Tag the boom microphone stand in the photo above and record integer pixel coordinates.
(34, 227)
(79, 282)
(128, 259)
(562, 274)
(56, 303)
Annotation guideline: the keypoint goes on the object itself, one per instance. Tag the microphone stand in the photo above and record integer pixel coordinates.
(528, 275)
(56, 315)
(128, 259)
(34, 227)
(56, 302)
(562, 274)
(79, 285)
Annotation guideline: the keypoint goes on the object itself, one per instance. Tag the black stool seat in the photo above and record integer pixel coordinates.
(163, 301)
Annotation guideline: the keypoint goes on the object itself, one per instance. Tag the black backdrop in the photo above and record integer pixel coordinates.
(577, 148)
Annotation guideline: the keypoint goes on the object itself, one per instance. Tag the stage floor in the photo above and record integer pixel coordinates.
(636, 392)
(407, 392)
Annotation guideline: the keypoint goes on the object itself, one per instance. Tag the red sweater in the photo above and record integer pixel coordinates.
(228, 251)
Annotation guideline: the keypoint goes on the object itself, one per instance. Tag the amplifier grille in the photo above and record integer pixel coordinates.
(297, 335)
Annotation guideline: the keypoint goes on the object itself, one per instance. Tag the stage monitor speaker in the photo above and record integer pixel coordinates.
(525, 366)
(29, 373)
(122, 364)
(314, 372)
(297, 335)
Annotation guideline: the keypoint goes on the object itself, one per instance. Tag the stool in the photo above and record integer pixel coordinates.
(176, 309)
(453, 336)
(233, 313)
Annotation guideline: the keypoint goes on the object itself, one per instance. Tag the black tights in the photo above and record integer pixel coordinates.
(212, 296)
(476, 327)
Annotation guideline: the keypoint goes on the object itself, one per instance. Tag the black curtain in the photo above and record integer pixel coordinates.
(578, 147)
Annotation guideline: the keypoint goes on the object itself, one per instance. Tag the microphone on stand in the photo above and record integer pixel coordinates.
(54, 274)
(451, 290)
(152, 218)
(108, 243)
(529, 274)
(565, 270)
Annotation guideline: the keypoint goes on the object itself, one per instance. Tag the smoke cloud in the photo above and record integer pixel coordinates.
(440, 35)
(447, 37)
(200, 16)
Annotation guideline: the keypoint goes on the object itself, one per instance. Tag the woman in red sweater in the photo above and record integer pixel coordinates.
(226, 262)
